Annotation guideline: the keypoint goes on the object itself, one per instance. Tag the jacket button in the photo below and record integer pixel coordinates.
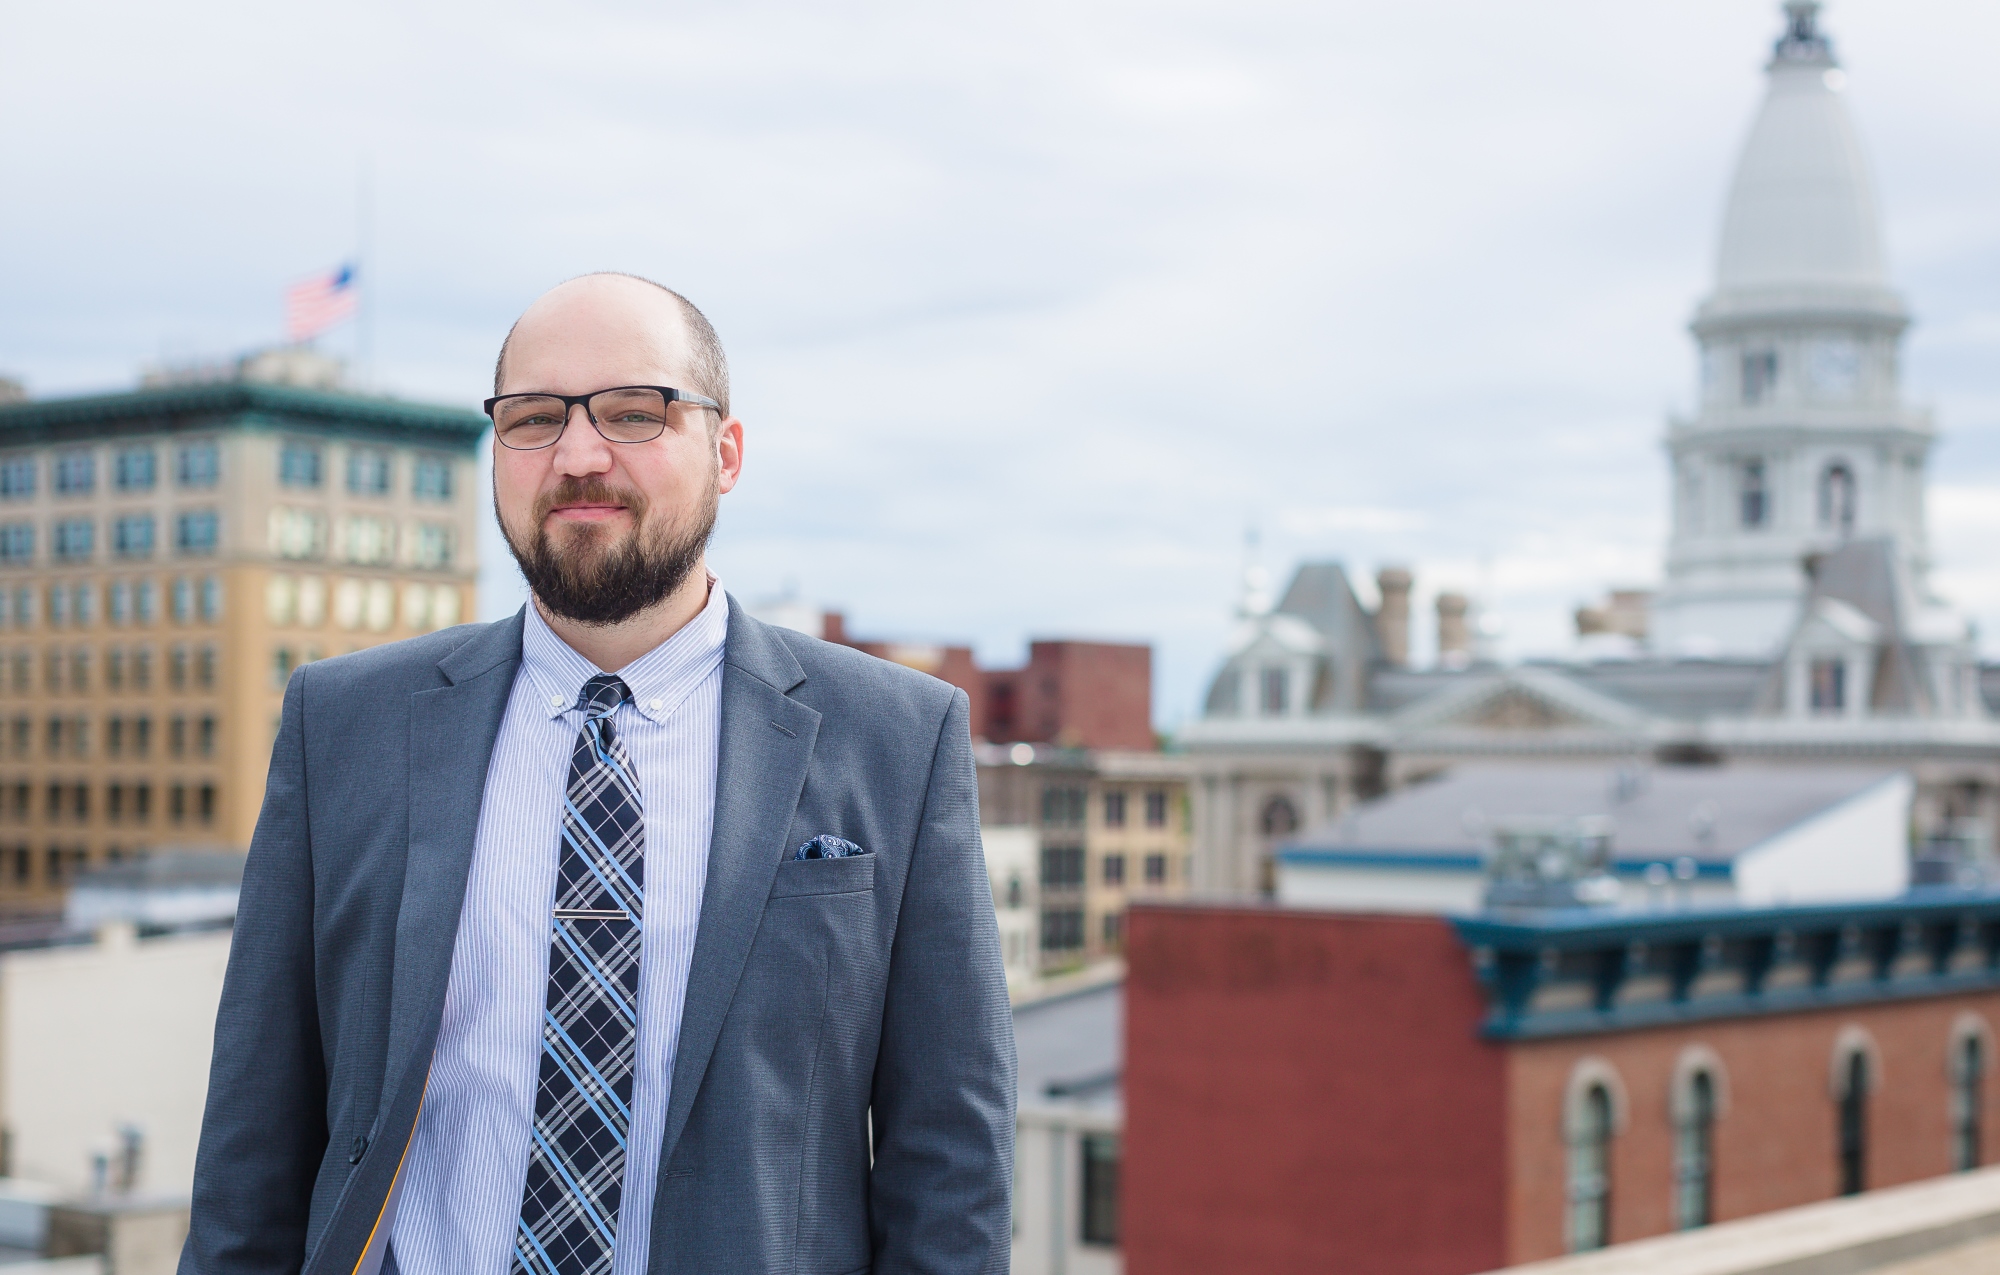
(359, 1149)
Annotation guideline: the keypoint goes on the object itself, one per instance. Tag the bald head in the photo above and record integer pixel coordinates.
(611, 319)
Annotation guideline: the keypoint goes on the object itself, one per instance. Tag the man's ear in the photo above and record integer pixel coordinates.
(728, 453)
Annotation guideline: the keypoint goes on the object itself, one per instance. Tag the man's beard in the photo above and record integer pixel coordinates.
(585, 579)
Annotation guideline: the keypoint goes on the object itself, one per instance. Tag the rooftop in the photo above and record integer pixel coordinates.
(237, 405)
(1070, 1047)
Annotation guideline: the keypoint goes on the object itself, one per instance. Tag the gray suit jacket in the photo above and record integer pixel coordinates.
(828, 999)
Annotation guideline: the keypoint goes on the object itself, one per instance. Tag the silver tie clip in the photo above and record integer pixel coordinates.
(592, 914)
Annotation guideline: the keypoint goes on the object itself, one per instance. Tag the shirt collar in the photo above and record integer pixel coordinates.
(660, 680)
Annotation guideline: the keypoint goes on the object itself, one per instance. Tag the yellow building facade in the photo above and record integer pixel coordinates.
(167, 558)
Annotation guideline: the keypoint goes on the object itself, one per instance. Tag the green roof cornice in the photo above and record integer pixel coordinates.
(222, 405)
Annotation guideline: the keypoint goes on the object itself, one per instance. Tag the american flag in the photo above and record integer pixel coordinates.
(316, 304)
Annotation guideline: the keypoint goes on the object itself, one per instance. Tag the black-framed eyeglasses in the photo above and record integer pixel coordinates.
(622, 414)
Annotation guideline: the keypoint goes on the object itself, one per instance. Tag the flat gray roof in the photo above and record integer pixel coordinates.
(1657, 812)
(1071, 1046)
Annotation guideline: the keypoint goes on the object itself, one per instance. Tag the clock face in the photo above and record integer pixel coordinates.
(1834, 367)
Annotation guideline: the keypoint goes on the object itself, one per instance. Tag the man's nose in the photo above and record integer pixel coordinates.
(581, 449)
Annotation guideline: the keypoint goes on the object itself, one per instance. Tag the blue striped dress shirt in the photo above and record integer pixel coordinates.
(468, 1159)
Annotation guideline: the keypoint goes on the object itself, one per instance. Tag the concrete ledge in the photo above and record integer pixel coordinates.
(1851, 1236)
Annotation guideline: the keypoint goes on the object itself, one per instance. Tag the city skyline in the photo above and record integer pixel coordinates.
(1436, 265)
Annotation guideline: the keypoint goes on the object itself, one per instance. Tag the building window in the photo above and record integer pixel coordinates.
(204, 738)
(118, 604)
(1968, 1100)
(177, 668)
(198, 464)
(177, 802)
(1063, 807)
(1590, 1172)
(1760, 375)
(433, 545)
(1836, 499)
(76, 472)
(1274, 686)
(1062, 929)
(144, 602)
(299, 464)
(142, 668)
(204, 667)
(368, 540)
(1156, 869)
(1752, 496)
(431, 479)
(79, 669)
(1279, 817)
(17, 542)
(177, 733)
(1853, 1146)
(1014, 891)
(142, 802)
(1114, 809)
(1694, 1154)
(1114, 870)
(114, 737)
(1156, 808)
(17, 477)
(281, 667)
(83, 603)
(132, 536)
(298, 533)
(1100, 1188)
(183, 599)
(1828, 684)
(1114, 929)
(135, 469)
(1062, 867)
(211, 598)
(368, 471)
(197, 531)
(142, 741)
(205, 803)
(75, 538)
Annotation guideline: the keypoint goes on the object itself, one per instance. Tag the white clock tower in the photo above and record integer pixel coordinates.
(1803, 440)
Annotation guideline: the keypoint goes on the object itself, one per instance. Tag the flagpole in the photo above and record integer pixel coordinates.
(364, 277)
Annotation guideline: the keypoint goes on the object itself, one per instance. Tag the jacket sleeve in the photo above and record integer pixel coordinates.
(943, 1108)
(264, 1134)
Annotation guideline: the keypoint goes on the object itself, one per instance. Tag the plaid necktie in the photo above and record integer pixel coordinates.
(590, 1029)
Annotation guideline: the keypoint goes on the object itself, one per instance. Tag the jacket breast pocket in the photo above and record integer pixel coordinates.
(801, 877)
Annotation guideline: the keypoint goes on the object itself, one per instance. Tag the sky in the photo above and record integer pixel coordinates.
(1035, 311)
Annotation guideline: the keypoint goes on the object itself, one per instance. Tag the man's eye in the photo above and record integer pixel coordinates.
(539, 418)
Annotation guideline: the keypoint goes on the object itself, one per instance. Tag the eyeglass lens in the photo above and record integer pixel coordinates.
(528, 421)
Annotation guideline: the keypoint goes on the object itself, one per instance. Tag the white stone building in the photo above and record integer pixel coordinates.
(1796, 624)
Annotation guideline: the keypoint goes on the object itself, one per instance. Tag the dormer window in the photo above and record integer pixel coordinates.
(1760, 375)
(1275, 692)
(1828, 683)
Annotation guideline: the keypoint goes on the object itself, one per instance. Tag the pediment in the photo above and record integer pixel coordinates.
(1518, 700)
(1516, 709)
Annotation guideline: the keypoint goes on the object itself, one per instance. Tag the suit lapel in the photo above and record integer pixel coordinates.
(766, 743)
(452, 732)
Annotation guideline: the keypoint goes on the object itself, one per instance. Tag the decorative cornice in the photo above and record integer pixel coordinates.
(238, 405)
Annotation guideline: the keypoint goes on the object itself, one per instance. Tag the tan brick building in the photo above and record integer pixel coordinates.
(1112, 827)
(167, 557)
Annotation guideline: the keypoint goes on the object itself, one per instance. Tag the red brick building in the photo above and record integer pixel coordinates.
(1377, 1095)
(1071, 694)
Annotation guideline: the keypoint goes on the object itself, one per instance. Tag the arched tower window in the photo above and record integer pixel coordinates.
(1590, 1171)
(1760, 375)
(1694, 1154)
(1275, 690)
(1279, 818)
(1854, 1122)
(1968, 1095)
(1753, 496)
(1836, 498)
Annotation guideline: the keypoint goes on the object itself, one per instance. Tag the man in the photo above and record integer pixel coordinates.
(627, 934)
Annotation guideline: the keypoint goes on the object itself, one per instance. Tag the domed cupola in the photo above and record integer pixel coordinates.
(1801, 224)
(1802, 440)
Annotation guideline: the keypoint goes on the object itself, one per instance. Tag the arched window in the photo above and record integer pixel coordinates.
(1968, 1099)
(1279, 817)
(1754, 498)
(1590, 1171)
(1854, 1123)
(1694, 1154)
(1836, 498)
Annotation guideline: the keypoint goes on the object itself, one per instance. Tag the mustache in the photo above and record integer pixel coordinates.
(588, 490)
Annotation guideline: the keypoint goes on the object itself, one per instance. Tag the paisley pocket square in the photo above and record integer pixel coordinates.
(828, 846)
